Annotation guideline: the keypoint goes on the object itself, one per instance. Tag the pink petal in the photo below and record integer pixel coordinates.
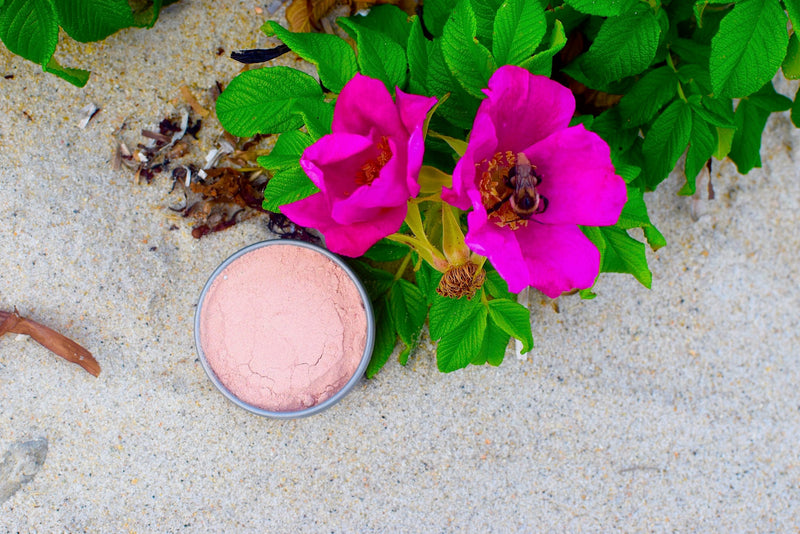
(482, 145)
(355, 239)
(578, 179)
(553, 259)
(365, 105)
(312, 211)
(525, 108)
(413, 109)
(333, 162)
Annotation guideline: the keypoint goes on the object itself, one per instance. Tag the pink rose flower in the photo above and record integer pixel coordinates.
(526, 223)
(366, 169)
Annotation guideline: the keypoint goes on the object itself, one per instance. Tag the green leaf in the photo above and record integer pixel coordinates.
(620, 253)
(769, 100)
(419, 50)
(77, 77)
(376, 281)
(264, 101)
(796, 110)
(494, 345)
(791, 63)
(514, 319)
(93, 20)
(461, 107)
(725, 136)
(409, 308)
(702, 144)
(519, 27)
(427, 279)
(385, 337)
(286, 187)
(317, 115)
(793, 8)
(746, 145)
(634, 215)
(435, 14)
(652, 92)
(387, 19)
(286, 152)
(485, 13)
(496, 286)
(378, 55)
(749, 47)
(716, 111)
(666, 140)
(447, 314)
(387, 250)
(542, 62)
(603, 8)
(458, 347)
(29, 29)
(333, 57)
(469, 61)
(625, 45)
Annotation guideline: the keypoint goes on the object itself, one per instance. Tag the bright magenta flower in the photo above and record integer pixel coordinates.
(527, 224)
(366, 169)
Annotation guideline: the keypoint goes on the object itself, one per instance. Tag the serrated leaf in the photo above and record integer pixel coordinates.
(542, 61)
(715, 111)
(485, 12)
(795, 114)
(461, 107)
(385, 337)
(93, 20)
(447, 314)
(265, 101)
(793, 9)
(620, 253)
(791, 63)
(702, 144)
(496, 286)
(418, 51)
(470, 62)
(624, 46)
(388, 19)
(376, 281)
(519, 27)
(652, 92)
(749, 47)
(769, 100)
(494, 345)
(378, 56)
(666, 140)
(435, 14)
(603, 8)
(746, 144)
(286, 152)
(514, 319)
(29, 29)
(458, 347)
(317, 116)
(286, 187)
(387, 250)
(334, 58)
(427, 279)
(691, 73)
(409, 308)
(634, 215)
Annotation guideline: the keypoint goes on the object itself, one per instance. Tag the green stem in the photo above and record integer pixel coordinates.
(399, 274)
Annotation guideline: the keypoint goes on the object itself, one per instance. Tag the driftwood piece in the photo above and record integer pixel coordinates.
(50, 339)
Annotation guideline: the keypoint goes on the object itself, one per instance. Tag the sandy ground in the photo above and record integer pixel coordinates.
(675, 408)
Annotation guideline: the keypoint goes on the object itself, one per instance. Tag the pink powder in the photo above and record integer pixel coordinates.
(283, 327)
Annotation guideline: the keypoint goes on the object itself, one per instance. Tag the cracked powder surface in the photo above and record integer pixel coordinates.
(283, 327)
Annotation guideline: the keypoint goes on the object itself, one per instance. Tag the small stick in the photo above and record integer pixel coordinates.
(50, 339)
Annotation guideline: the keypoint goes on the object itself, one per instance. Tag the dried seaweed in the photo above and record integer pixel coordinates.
(50, 339)
(308, 15)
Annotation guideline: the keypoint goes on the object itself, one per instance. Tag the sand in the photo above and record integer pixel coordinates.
(675, 408)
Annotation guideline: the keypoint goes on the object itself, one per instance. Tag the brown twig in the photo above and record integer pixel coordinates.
(50, 339)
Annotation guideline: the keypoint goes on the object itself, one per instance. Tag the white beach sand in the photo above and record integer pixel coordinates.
(675, 408)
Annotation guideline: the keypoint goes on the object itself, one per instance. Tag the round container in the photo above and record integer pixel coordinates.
(284, 329)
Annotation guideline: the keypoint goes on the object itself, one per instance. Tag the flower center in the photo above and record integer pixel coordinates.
(461, 280)
(372, 168)
(508, 189)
